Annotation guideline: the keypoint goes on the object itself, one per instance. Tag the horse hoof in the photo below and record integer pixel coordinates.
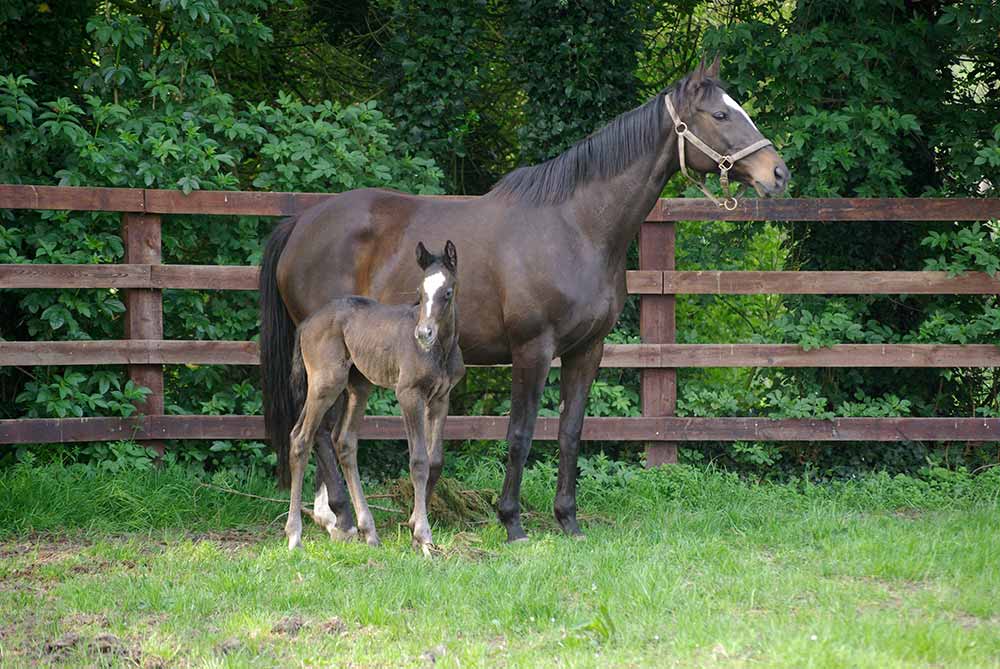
(523, 539)
(339, 535)
(294, 543)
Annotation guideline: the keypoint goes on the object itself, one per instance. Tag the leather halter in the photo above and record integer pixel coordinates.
(725, 163)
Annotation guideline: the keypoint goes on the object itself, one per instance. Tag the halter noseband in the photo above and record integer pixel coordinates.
(725, 162)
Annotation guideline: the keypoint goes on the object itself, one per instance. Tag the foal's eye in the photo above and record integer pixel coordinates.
(448, 293)
(720, 115)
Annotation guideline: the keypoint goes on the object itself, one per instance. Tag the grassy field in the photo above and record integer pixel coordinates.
(682, 567)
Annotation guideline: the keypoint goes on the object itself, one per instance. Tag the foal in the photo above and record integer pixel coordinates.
(354, 342)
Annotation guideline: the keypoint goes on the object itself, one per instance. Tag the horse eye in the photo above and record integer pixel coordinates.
(448, 293)
(721, 115)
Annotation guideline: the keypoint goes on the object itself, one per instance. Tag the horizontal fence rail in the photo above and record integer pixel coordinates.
(638, 282)
(643, 429)
(143, 277)
(244, 203)
(178, 352)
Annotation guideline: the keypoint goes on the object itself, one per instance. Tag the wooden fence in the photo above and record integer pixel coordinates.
(144, 350)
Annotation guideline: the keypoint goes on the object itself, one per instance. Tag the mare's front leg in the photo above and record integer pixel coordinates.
(578, 372)
(358, 389)
(413, 406)
(530, 370)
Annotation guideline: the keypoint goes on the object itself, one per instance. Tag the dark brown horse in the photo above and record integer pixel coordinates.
(354, 342)
(543, 267)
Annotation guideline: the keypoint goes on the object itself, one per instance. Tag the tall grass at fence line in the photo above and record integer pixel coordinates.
(56, 497)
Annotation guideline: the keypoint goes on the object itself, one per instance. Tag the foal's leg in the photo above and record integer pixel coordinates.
(531, 368)
(413, 405)
(323, 392)
(358, 389)
(332, 507)
(578, 372)
(434, 417)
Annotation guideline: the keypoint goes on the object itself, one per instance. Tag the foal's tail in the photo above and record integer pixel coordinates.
(277, 339)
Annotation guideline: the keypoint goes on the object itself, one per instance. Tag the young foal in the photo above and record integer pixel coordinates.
(354, 342)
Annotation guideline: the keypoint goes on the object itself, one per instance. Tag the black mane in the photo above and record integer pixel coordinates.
(602, 155)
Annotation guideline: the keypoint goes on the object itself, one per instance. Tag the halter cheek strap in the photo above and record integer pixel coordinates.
(725, 163)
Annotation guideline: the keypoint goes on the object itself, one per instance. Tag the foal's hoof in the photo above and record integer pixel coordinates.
(294, 542)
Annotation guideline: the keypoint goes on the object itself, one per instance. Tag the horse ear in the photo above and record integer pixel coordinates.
(450, 256)
(424, 257)
(713, 69)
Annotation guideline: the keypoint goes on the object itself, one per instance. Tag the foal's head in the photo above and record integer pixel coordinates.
(437, 293)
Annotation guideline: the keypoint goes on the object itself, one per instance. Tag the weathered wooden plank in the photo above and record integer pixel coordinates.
(19, 196)
(642, 282)
(75, 276)
(829, 209)
(16, 196)
(829, 283)
(129, 352)
(205, 277)
(657, 326)
(141, 236)
(642, 356)
(53, 430)
(230, 203)
(841, 355)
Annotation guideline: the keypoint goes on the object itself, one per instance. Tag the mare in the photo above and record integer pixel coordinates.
(354, 342)
(543, 257)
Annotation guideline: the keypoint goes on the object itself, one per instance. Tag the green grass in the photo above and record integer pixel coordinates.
(682, 567)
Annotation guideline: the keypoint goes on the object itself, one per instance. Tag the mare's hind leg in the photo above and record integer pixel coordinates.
(358, 389)
(332, 507)
(325, 385)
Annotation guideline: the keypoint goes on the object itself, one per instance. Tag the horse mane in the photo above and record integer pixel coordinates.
(602, 155)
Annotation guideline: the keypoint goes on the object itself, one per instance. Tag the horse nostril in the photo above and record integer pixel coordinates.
(780, 174)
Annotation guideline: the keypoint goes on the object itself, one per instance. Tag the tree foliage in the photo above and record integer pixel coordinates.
(885, 98)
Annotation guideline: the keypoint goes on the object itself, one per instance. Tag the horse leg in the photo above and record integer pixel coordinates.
(332, 507)
(531, 368)
(358, 389)
(319, 399)
(578, 372)
(435, 415)
(414, 410)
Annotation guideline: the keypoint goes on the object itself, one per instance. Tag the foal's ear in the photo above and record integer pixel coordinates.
(450, 256)
(424, 257)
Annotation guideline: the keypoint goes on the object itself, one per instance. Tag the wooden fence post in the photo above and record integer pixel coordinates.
(144, 309)
(657, 326)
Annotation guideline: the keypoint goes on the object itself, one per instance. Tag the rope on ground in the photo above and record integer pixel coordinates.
(306, 509)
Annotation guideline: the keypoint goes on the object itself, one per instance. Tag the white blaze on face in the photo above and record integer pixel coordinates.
(432, 284)
(731, 103)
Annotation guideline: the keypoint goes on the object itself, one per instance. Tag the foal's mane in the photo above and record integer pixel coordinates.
(602, 155)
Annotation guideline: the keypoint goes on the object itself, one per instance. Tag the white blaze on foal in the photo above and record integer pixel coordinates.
(432, 284)
(732, 103)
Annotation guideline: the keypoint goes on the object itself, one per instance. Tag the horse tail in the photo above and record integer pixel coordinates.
(298, 378)
(277, 339)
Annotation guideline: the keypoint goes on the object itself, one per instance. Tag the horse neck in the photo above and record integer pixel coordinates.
(611, 211)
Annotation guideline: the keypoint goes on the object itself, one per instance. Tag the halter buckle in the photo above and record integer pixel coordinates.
(680, 127)
(726, 164)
